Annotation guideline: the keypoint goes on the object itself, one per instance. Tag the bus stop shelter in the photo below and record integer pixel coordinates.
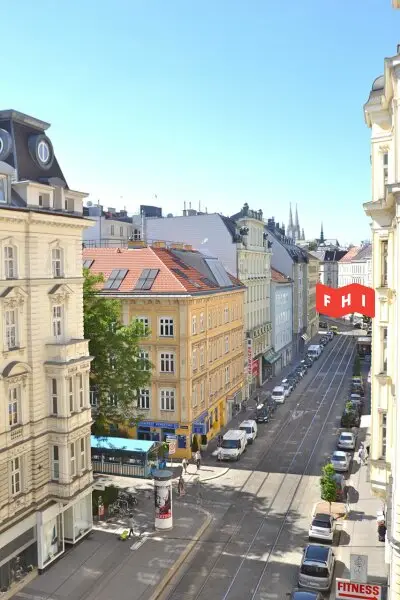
(121, 456)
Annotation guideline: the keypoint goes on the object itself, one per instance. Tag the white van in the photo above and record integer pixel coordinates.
(250, 427)
(314, 351)
(279, 394)
(233, 444)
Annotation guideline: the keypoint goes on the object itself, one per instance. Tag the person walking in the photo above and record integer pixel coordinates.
(198, 459)
(361, 454)
(181, 486)
(131, 524)
(219, 453)
(184, 466)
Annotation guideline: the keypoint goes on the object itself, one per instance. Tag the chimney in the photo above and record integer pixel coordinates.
(188, 247)
(177, 246)
(184, 209)
(190, 205)
(159, 244)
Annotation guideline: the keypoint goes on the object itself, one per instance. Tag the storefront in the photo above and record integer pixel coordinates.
(272, 363)
(122, 456)
(78, 519)
(18, 554)
(50, 528)
(232, 404)
(159, 431)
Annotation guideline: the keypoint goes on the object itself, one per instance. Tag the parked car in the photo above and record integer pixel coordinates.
(322, 527)
(305, 595)
(279, 394)
(356, 405)
(340, 461)
(357, 379)
(250, 427)
(263, 413)
(323, 341)
(356, 388)
(330, 335)
(334, 329)
(346, 441)
(233, 445)
(288, 385)
(308, 361)
(304, 365)
(317, 567)
(301, 370)
(323, 324)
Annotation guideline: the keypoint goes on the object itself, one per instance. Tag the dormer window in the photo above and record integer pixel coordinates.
(57, 262)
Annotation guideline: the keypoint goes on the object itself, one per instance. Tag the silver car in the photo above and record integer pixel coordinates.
(340, 461)
(346, 441)
(322, 528)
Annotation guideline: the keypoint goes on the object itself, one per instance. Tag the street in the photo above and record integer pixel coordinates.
(262, 506)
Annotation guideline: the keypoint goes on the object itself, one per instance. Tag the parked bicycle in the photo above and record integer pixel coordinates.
(129, 498)
(119, 508)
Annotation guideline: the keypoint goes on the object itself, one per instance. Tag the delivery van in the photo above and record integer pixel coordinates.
(250, 427)
(233, 444)
(314, 351)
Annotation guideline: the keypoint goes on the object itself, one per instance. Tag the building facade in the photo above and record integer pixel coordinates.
(312, 280)
(45, 467)
(241, 245)
(289, 259)
(329, 261)
(356, 266)
(193, 311)
(381, 115)
(282, 319)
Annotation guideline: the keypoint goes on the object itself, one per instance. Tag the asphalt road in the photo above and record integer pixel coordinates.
(262, 507)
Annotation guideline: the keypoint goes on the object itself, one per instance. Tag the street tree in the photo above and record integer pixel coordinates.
(118, 370)
(328, 484)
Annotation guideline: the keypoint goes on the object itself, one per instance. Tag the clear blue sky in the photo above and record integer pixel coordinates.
(217, 101)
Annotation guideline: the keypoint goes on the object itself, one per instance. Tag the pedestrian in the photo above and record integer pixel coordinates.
(184, 466)
(366, 451)
(361, 455)
(219, 454)
(381, 531)
(198, 459)
(181, 486)
(219, 442)
(131, 524)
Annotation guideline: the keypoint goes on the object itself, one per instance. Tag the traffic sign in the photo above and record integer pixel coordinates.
(350, 590)
(359, 568)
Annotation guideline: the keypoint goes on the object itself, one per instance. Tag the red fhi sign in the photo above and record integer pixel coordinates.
(338, 302)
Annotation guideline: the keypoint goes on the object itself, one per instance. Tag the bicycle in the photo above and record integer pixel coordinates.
(119, 508)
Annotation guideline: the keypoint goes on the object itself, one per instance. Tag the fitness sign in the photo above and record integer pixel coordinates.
(338, 302)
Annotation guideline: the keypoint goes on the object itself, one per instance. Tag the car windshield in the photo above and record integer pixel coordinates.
(314, 571)
(324, 524)
(339, 458)
(347, 437)
(230, 444)
(247, 429)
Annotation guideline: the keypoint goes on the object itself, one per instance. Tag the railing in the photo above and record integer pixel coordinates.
(117, 468)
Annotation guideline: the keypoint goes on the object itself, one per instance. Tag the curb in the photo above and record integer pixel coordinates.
(215, 476)
(183, 556)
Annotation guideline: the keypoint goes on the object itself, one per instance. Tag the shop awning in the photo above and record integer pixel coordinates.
(271, 357)
(305, 337)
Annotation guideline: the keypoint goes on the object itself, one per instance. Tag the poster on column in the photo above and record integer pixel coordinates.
(162, 500)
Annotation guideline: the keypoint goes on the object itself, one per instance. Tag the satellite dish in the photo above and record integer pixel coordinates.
(89, 203)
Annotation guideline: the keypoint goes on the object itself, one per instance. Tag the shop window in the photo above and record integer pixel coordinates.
(53, 543)
(182, 441)
(15, 570)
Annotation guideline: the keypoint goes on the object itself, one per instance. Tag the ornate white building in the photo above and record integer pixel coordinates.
(45, 415)
(382, 117)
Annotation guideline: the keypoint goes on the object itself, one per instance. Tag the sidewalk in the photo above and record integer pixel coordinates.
(103, 567)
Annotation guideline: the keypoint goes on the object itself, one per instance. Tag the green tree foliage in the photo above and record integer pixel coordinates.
(357, 366)
(328, 484)
(117, 370)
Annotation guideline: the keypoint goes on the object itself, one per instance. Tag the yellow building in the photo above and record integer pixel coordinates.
(194, 313)
(45, 416)
(312, 280)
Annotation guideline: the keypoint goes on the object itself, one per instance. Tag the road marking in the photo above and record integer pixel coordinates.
(139, 543)
(296, 414)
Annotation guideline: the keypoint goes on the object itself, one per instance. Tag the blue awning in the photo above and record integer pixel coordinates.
(111, 443)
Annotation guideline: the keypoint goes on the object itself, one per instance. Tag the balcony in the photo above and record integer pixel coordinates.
(63, 352)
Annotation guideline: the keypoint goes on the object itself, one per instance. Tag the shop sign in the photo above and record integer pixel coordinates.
(249, 356)
(254, 369)
(158, 424)
(198, 428)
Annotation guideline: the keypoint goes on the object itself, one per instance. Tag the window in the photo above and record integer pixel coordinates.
(88, 263)
(384, 333)
(194, 396)
(146, 279)
(3, 188)
(14, 395)
(226, 375)
(209, 320)
(144, 399)
(226, 314)
(115, 279)
(144, 358)
(166, 327)
(145, 323)
(57, 321)
(194, 326)
(10, 262)
(15, 476)
(201, 392)
(384, 263)
(121, 231)
(194, 359)
(54, 396)
(167, 399)
(81, 390)
(384, 434)
(70, 388)
(167, 362)
(56, 260)
(83, 453)
(385, 161)
(55, 466)
(226, 344)
(201, 321)
(72, 458)
(11, 329)
(93, 398)
(112, 230)
(202, 356)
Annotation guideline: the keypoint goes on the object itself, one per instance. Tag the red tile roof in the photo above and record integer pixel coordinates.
(279, 277)
(174, 276)
(350, 255)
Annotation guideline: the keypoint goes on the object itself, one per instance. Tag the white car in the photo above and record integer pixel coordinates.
(346, 441)
(279, 394)
(288, 386)
(340, 461)
(322, 527)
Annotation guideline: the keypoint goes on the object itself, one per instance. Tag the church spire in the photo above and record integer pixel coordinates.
(303, 237)
(321, 237)
(290, 224)
(296, 222)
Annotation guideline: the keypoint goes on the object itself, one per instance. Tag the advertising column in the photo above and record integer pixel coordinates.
(163, 499)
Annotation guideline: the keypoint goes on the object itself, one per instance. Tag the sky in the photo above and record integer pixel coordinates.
(213, 102)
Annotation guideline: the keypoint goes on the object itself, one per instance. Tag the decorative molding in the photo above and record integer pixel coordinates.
(17, 379)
